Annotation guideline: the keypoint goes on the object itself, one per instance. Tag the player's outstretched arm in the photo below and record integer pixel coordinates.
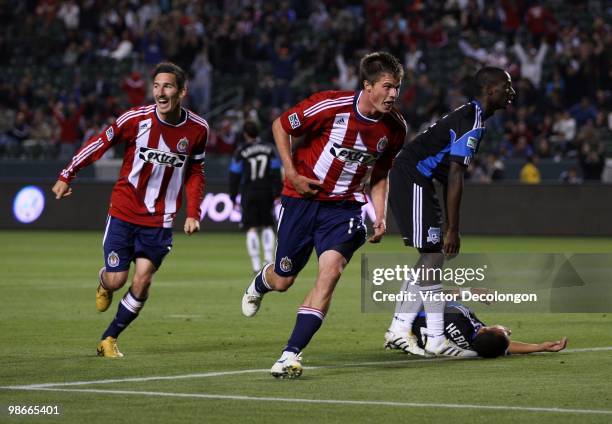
(61, 189)
(519, 347)
(191, 226)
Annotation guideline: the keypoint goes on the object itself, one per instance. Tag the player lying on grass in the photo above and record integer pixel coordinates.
(463, 327)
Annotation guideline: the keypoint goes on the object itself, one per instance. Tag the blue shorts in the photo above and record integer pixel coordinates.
(305, 223)
(124, 242)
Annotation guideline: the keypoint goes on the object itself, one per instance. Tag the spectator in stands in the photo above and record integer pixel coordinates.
(495, 168)
(200, 89)
(531, 61)
(15, 136)
(347, 78)
(570, 176)
(414, 59)
(530, 174)
(592, 161)
(69, 121)
(134, 87)
(583, 111)
(41, 140)
(563, 132)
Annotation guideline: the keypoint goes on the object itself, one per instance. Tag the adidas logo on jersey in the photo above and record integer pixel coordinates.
(158, 157)
(347, 154)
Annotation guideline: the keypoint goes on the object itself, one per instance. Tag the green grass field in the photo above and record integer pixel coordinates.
(215, 362)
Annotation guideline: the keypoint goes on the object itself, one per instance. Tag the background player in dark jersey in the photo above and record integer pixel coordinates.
(255, 172)
(441, 152)
(164, 154)
(464, 328)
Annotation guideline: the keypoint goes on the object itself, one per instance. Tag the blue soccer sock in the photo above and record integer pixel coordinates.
(261, 285)
(126, 313)
(308, 322)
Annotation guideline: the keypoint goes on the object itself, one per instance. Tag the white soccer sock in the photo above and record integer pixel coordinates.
(252, 242)
(406, 311)
(267, 238)
(434, 310)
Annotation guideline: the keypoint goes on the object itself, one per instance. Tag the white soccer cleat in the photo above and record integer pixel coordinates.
(441, 346)
(251, 301)
(289, 365)
(408, 344)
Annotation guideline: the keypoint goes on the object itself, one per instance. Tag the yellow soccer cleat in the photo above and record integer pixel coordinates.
(104, 297)
(108, 348)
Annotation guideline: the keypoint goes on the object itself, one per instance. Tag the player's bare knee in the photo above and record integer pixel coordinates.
(114, 280)
(142, 281)
(282, 284)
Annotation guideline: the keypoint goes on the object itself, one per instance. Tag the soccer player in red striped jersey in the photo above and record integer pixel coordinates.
(348, 141)
(164, 153)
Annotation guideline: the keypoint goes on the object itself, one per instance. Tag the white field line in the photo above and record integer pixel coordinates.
(252, 371)
(337, 401)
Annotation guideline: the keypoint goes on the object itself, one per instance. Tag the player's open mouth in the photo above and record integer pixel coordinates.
(162, 101)
(389, 103)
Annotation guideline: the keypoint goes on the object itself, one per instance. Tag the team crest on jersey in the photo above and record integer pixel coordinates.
(433, 235)
(382, 144)
(110, 133)
(182, 145)
(294, 121)
(285, 264)
(113, 259)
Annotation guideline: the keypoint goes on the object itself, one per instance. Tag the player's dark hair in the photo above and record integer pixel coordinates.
(251, 129)
(486, 76)
(171, 68)
(490, 344)
(374, 64)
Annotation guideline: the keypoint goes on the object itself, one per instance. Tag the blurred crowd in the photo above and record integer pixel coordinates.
(70, 67)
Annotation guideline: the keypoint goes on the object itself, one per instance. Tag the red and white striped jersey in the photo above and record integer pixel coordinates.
(341, 146)
(159, 159)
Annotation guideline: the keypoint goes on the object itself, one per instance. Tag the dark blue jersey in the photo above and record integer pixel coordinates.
(255, 167)
(455, 137)
(460, 325)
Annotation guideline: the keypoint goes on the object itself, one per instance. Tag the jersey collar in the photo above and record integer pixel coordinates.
(184, 112)
(358, 113)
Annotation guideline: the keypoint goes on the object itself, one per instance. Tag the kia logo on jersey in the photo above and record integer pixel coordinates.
(158, 157)
(346, 154)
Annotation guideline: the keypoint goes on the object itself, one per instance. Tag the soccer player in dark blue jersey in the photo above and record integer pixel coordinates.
(464, 328)
(441, 152)
(255, 173)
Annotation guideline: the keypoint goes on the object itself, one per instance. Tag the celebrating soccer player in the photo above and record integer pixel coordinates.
(441, 152)
(348, 139)
(164, 152)
(255, 172)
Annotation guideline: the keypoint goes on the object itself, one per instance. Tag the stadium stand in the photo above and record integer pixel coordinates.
(68, 67)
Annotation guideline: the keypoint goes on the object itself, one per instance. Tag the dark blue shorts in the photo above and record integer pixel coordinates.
(124, 242)
(305, 223)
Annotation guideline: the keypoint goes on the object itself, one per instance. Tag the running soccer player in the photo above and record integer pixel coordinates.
(255, 172)
(349, 139)
(441, 152)
(465, 330)
(164, 152)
